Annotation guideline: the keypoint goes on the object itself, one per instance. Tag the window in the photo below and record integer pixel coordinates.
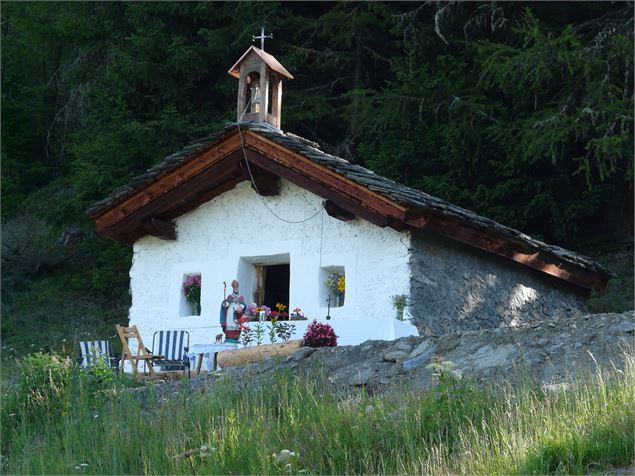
(265, 279)
(276, 285)
(333, 286)
(190, 303)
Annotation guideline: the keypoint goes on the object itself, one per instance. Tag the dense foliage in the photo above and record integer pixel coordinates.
(520, 111)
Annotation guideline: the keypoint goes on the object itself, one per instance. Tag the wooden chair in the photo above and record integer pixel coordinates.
(142, 354)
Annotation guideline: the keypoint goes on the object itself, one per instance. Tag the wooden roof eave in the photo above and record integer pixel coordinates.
(347, 190)
(167, 182)
(127, 220)
(506, 248)
(271, 61)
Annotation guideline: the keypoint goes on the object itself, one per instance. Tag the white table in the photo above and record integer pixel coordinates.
(208, 353)
(353, 331)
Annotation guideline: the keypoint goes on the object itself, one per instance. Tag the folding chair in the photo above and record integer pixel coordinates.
(142, 354)
(173, 346)
(91, 351)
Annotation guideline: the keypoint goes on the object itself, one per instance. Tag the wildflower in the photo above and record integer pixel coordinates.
(81, 466)
(96, 415)
(284, 456)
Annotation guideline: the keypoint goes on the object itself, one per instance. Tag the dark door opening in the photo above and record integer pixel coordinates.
(276, 285)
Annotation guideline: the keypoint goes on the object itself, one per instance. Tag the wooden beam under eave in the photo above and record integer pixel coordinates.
(262, 181)
(318, 188)
(337, 212)
(164, 230)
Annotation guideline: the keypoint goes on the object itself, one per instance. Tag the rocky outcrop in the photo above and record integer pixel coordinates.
(549, 351)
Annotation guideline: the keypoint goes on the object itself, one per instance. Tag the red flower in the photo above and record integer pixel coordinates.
(320, 335)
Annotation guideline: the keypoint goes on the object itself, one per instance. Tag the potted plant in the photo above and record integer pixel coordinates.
(336, 284)
(192, 292)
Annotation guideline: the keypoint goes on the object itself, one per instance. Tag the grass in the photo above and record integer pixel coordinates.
(454, 429)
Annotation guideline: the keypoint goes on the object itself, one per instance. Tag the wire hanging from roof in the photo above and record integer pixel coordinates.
(253, 182)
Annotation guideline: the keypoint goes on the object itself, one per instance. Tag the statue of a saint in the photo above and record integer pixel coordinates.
(231, 310)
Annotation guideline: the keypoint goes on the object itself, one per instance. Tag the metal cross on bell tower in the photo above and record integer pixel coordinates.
(262, 37)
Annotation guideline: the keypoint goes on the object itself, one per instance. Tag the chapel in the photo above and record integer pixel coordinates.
(296, 225)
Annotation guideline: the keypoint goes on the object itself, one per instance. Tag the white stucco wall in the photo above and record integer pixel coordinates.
(223, 238)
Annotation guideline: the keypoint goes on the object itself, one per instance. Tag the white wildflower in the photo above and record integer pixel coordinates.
(284, 456)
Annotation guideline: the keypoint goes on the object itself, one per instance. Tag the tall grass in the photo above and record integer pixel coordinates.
(456, 428)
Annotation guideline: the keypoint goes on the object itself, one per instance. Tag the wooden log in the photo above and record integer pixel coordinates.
(249, 355)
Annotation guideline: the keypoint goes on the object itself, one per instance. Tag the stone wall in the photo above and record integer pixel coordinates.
(456, 287)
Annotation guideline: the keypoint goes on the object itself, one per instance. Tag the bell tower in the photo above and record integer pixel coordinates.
(259, 85)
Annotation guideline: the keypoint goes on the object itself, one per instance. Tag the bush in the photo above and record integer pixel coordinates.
(43, 386)
(99, 376)
(319, 335)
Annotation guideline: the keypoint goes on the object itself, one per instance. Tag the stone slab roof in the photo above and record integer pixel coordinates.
(401, 194)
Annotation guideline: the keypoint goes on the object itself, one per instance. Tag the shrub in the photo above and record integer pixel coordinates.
(319, 335)
(99, 376)
(43, 385)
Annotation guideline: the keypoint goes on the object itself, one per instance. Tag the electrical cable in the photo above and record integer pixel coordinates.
(253, 182)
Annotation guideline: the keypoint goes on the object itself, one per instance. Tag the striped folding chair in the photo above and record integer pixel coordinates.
(173, 347)
(90, 351)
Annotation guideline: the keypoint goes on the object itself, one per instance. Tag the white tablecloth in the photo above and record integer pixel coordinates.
(353, 331)
(209, 352)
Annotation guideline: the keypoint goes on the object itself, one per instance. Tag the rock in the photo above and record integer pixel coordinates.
(395, 356)
(361, 377)
(423, 347)
(488, 356)
(302, 353)
(420, 359)
(542, 341)
(404, 346)
(624, 326)
(578, 345)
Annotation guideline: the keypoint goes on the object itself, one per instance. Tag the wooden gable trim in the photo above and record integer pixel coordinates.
(316, 187)
(170, 181)
(186, 194)
(300, 164)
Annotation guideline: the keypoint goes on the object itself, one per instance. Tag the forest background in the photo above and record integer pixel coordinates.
(522, 112)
